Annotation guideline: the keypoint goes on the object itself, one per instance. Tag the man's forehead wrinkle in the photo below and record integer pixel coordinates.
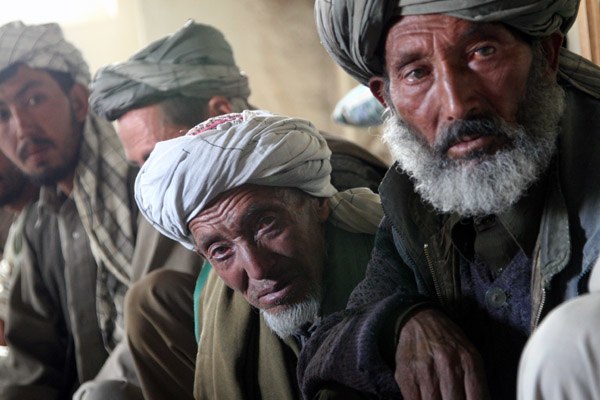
(209, 227)
(225, 211)
(420, 43)
(434, 32)
(224, 223)
(217, 213)
(238, 209)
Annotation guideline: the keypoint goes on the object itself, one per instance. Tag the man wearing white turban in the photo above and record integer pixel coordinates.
(491, 210)
(251, 193)
(159, 93)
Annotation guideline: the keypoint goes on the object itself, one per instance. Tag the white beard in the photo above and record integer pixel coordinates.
(483, 184)
(289, 321)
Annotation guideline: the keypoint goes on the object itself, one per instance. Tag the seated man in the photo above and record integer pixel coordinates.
(491, 210)
(251, 193)
(65, 305)
(150, 105)
(85, 238)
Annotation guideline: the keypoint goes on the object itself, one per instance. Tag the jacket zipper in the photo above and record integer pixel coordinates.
(540, 309)
(436, 285)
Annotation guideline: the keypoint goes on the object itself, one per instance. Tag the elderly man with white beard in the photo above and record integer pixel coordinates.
(492, 208)
(252, 194)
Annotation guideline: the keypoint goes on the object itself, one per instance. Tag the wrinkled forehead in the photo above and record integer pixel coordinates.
(236, 205)
(415, 36)
(234, 211)
(275, 195)
(442, 25)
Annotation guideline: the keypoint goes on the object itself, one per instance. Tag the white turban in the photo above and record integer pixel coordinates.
(184, 174)
(42, 47)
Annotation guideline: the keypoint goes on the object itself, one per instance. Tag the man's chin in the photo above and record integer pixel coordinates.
(286, 320)
(276, 310)
(49, 175)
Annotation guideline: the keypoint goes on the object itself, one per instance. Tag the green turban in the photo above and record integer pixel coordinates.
(352, 30)
(196, 61)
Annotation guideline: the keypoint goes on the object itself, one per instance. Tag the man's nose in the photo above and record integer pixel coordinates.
(23, 122)
(456, 92)
(258, 262)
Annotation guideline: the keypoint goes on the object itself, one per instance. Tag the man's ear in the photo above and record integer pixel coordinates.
(218, 105)
(551, 46)
(377, 86)
(78, 96)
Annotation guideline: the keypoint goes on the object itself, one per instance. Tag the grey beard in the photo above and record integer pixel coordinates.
(289, 321)
(483, 184)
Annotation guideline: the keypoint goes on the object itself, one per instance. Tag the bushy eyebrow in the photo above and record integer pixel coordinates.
(476, 31)
(27, 86)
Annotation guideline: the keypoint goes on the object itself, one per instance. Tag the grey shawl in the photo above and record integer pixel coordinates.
(102, 194)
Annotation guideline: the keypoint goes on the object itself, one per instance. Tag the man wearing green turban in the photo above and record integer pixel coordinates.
(491, 208)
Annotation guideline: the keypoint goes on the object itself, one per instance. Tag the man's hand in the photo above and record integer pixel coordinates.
(434, 360)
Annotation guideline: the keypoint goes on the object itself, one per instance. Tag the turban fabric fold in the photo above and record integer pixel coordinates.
(183, 175)
(41, 47)
(352, 30)
(196, 61)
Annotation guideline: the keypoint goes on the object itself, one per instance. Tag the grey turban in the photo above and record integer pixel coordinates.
(41, 47)
(196, 61)
(351, 30)
(183, 175)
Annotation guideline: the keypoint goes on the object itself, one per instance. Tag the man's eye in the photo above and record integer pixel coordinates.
(416, 74)
(219, 252)
(485, 51)
(36, 100)
(265, 222)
